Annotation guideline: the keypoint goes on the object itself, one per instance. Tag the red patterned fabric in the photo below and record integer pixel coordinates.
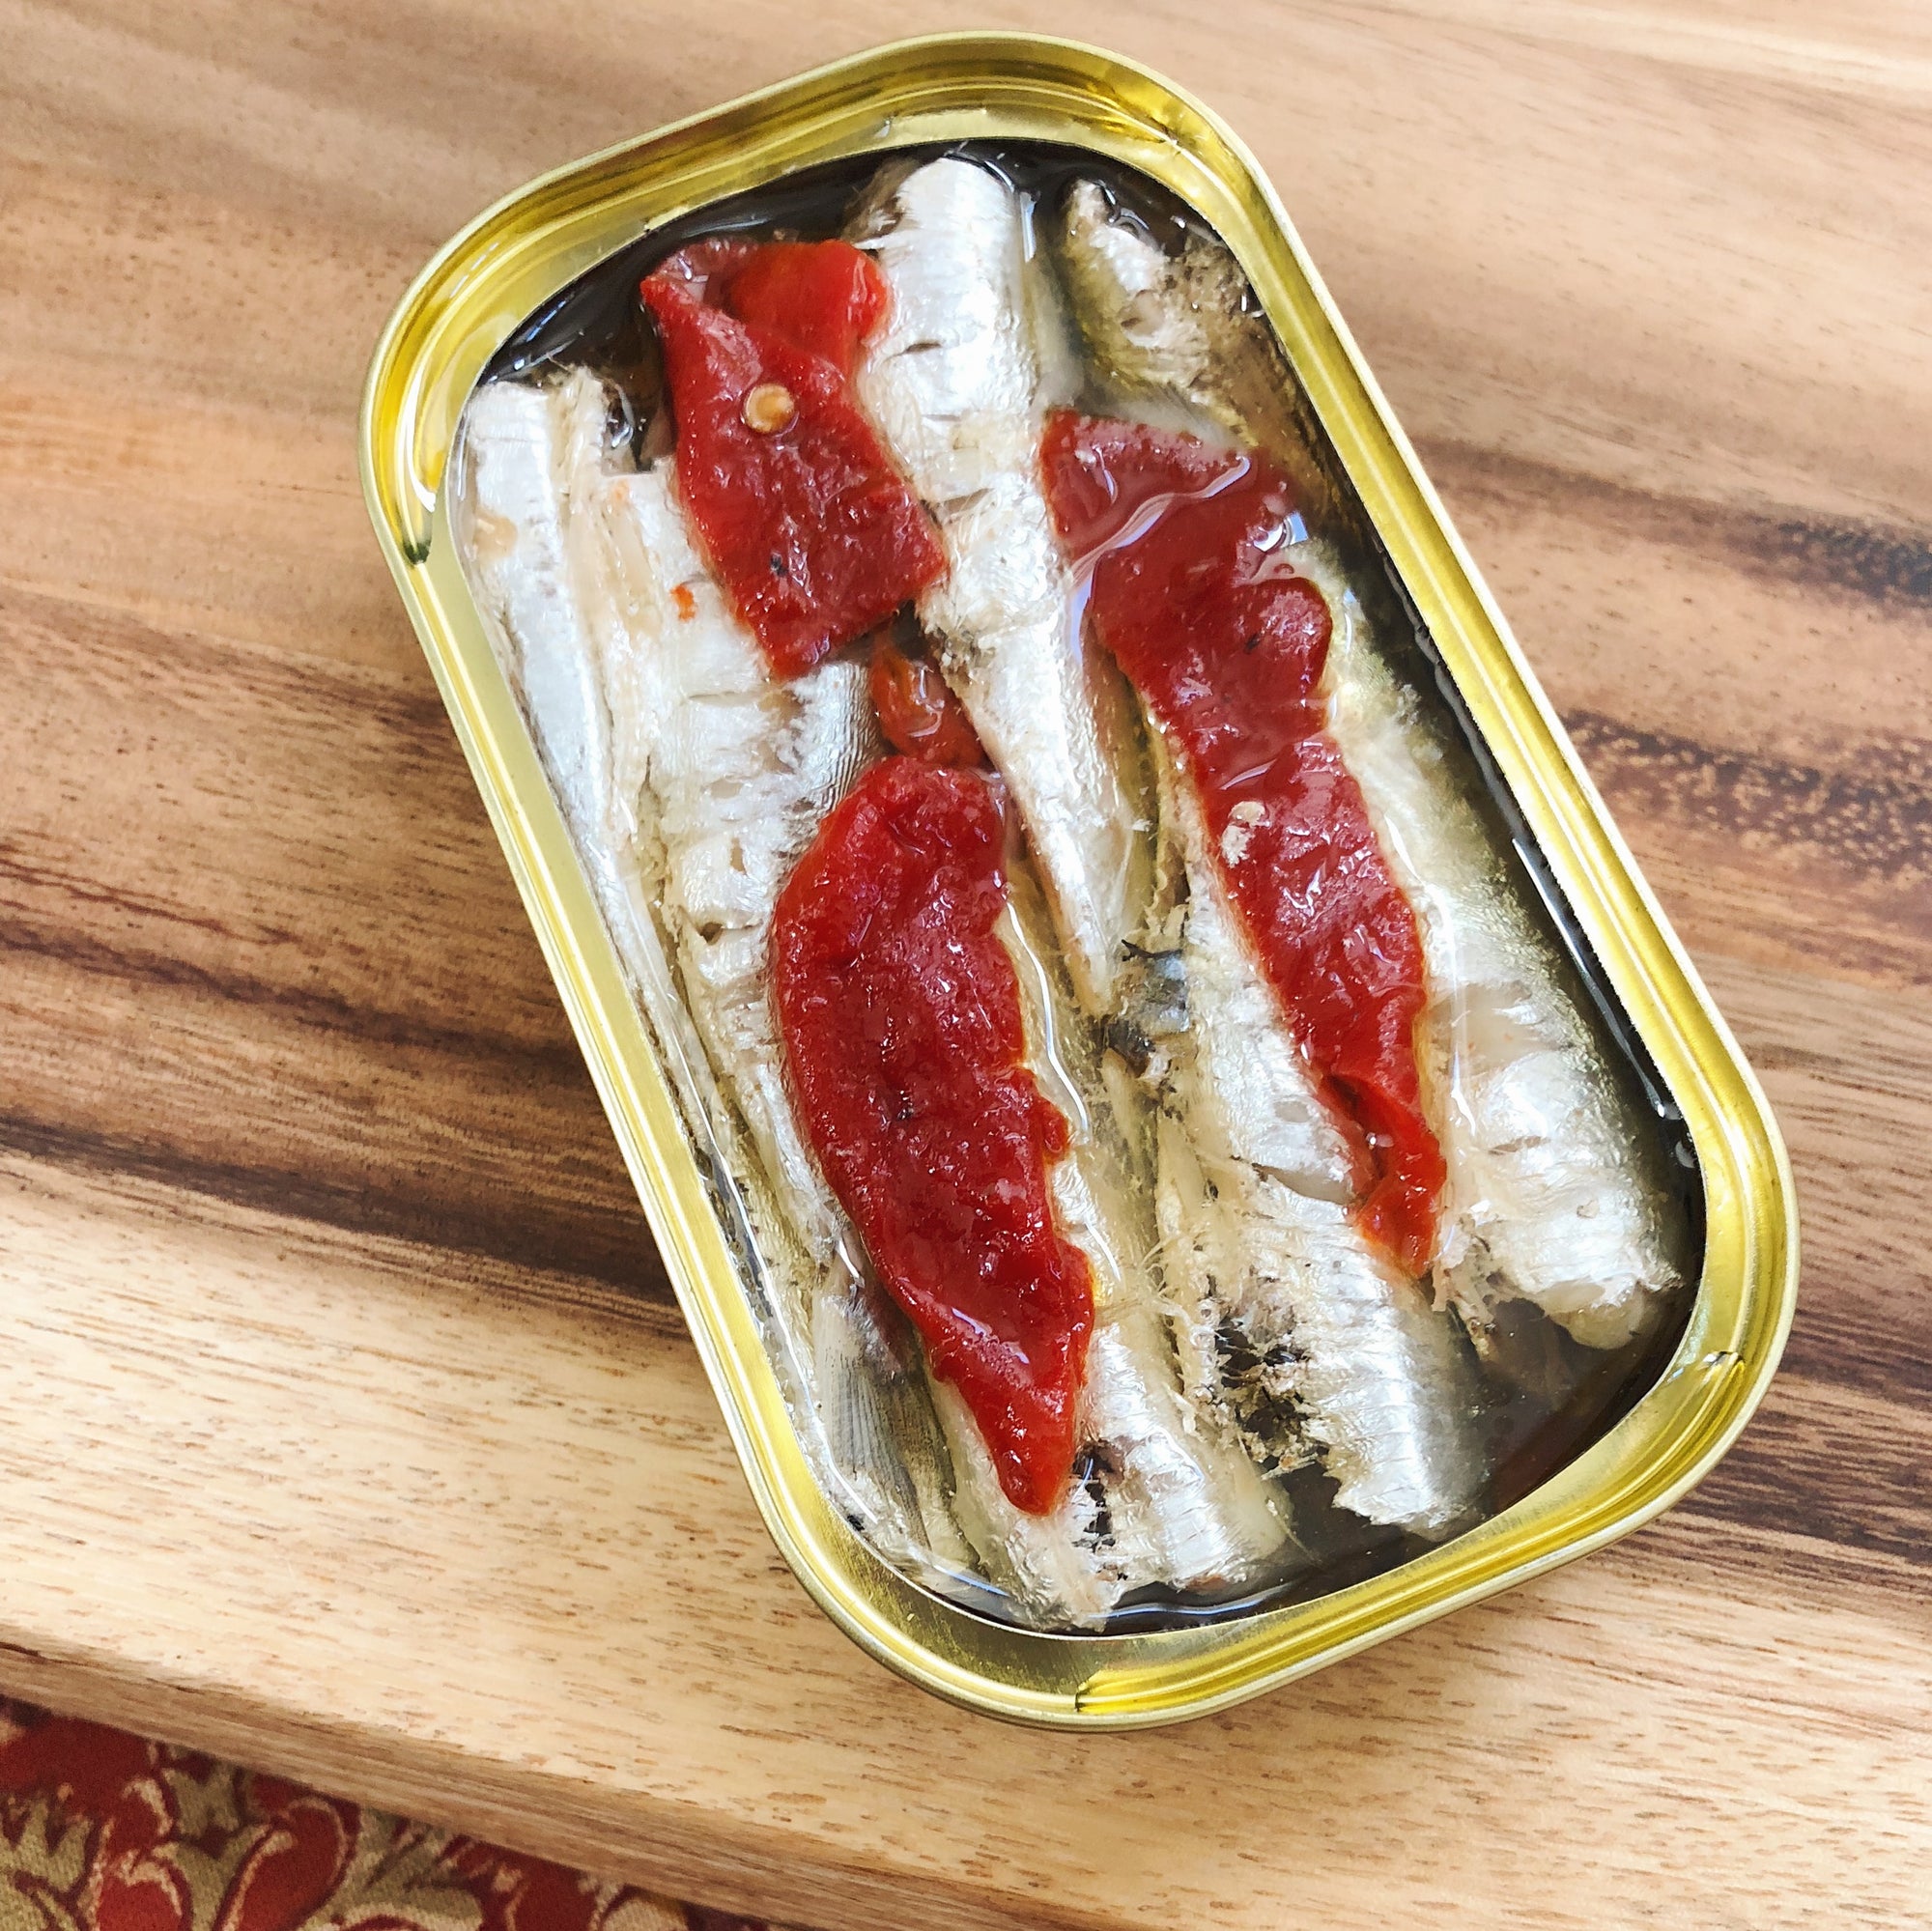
(104, 1832)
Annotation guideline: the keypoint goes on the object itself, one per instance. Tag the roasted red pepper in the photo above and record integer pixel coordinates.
(1226, 644)
(901, 1015)
(826, 297)
(918, 713)
(812, 533)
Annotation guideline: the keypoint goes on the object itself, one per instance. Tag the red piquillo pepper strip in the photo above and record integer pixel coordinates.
(826, 297)
(812, 533)
(901, 1015)
(1225, 645)
(918, 713)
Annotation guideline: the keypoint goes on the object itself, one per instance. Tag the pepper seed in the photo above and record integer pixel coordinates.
(768, 408)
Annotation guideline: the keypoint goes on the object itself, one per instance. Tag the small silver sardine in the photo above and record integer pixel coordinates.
(731, 770)
(1314, 1344)
(691, 780)
(509, 520)
(1555, 1194)
(1161, 1495)
(957, 382)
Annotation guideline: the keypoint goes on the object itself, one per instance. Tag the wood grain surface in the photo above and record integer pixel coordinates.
(347, 1426)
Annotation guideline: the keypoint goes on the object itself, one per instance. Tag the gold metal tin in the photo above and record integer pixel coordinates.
(951, 87)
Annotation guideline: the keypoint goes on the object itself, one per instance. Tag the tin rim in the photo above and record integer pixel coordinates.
(462, 309)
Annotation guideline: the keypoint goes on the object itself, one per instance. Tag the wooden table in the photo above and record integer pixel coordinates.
(348, 1428)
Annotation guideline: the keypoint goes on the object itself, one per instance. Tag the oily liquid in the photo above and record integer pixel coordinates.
(1544, 1398)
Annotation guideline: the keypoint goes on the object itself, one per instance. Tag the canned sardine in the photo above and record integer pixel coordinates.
(1184, 1142)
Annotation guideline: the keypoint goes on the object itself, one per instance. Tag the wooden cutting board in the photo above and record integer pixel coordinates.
(348, 1428)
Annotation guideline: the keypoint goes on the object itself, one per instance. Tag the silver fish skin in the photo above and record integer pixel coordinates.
(510, 522)
(957, 383)
(1178, 338)
(690, 780)
(519, 557)
(1162, 1497)
(733, 769)
(1291, 1324)
(1556, 1193)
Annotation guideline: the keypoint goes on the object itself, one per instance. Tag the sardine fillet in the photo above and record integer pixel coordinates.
(1289, 1322)
(1554, 1196)
(733, 771)
(954, 382)
(578, 566)
(512, 525)
(1161, 1496)
(1554, 1192)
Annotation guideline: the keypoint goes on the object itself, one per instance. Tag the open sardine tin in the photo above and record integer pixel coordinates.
(1288, 1446)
